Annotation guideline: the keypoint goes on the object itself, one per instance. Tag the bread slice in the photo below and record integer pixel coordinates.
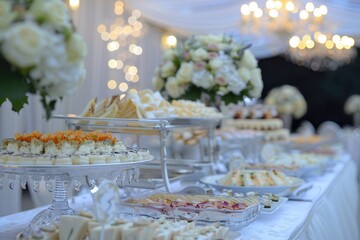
(128, 109)
(100, 108)
(90, 108)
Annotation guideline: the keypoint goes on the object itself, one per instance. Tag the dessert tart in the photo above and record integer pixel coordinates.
(67, 148)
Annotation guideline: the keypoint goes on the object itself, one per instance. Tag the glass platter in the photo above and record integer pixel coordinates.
(140, 124)
(68, 169)
(280, 190)
(274, 206)
(160, 127)
(235, 219)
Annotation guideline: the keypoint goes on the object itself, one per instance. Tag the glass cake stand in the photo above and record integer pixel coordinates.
(159, 126)
(57, 178)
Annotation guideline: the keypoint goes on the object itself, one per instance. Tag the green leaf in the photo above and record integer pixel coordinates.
(18, 104)
(176, 62)
(192, 93)
(13, 86)
(48, 106)
(231, 98)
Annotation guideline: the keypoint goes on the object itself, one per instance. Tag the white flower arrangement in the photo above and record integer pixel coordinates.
(352, 105)
(216, 65)
(287, 100)
(40, 52)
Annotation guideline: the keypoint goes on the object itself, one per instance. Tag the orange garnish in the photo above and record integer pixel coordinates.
(69, 135)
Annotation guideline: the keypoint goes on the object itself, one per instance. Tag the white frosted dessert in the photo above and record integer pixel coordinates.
(68, 148)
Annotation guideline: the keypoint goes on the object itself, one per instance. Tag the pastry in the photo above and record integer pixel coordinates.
(254, 178)
(67, 148)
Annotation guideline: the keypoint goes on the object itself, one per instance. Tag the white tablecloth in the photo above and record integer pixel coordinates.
(329, 212)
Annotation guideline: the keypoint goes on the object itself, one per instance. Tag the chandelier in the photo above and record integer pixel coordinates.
(311, 43)
(320, 51)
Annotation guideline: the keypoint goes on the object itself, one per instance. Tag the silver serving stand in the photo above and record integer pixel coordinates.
(57, 178)
(160, 127)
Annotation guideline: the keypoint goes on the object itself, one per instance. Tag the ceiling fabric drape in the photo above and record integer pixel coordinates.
(203, 16)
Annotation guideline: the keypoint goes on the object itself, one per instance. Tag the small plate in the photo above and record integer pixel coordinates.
(213, 181)
(274, 206)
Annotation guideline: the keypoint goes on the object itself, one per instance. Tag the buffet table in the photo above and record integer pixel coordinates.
(329, 210)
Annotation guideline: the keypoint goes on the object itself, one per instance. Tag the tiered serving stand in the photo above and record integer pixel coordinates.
(57, 178)
(160, 127)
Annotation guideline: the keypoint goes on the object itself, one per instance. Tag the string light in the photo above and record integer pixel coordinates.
(122, 37)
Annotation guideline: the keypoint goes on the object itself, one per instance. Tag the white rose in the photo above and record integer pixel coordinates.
(75, 48)
(199, 54)
(285, 108)
(270, 99)
(6, 15)
(245, 74)
(23, 44)
(53, 11)
(300, 108)
(173, 88)
(185, 73)
(216, 63)
(248, 60)
(158, 83)
(289, 91)
(352, 104)
(168, 69)
(169, 55)
(203, 79)
(257, 83)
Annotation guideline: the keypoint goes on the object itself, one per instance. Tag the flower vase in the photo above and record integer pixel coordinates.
(356, 119)
(287, 119)
(206, 99)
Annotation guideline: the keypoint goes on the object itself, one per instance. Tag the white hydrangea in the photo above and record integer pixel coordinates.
(203, 79)
(55, 74)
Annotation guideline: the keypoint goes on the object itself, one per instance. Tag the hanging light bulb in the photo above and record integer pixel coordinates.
(74, 4)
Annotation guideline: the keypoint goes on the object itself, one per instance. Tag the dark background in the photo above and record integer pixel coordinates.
(324, 92)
